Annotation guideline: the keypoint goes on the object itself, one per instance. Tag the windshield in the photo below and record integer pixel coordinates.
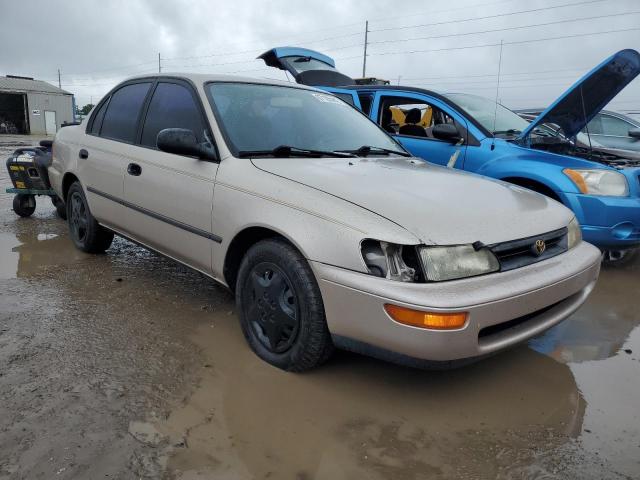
(257, 117)
(484, 111)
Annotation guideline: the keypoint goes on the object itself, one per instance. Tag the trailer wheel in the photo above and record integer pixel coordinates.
(61, 208)
(24, 204)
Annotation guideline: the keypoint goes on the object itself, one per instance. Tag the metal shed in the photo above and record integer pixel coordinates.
(29, 106)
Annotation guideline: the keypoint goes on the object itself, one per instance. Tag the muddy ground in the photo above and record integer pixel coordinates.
(126, 365)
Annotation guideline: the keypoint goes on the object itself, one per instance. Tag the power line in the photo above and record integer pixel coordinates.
(497, 15)
(407, 52)
(557, 22)
(494, 75)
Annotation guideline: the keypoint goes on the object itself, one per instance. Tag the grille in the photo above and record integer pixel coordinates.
(522, 252)
(516, 322)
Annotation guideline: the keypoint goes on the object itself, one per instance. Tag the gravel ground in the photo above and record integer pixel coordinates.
(126, 365)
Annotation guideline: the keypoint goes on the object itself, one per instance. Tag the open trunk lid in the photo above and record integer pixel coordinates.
(308, 67)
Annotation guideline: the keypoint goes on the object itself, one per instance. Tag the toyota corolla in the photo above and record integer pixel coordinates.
(327, 230)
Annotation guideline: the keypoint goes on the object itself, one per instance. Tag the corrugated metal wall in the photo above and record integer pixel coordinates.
(41, 102)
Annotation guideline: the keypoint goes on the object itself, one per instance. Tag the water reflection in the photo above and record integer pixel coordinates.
(599, 329)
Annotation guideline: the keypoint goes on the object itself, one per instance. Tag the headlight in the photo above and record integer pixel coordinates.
(387, 260)
(574, 234)
(599, 182)
(449, 263)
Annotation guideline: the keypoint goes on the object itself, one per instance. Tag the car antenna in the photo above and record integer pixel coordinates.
(586, 125)
(495, 112)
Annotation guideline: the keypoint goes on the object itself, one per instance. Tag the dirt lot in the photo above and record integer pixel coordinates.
(126, 365)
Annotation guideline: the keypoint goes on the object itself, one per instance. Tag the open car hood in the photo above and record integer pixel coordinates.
(579, 104)
(308, 67)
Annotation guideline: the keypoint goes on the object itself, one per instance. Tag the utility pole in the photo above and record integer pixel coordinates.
(59, 82)
(159, 64)
(364, 57)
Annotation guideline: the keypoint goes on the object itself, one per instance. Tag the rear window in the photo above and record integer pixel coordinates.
(121, 120)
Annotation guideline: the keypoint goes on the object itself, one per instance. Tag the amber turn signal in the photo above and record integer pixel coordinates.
(577, 179)
(433, 320)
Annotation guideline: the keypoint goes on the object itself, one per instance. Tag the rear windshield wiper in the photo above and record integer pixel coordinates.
(365, 150)
(289, 151)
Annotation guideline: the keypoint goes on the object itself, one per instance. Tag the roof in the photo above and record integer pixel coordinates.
(29, 85)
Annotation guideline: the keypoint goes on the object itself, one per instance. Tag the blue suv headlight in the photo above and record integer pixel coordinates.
(599, 181)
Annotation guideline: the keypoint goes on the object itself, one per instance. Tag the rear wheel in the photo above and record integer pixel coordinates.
(87, 234)
(24, 205)
(281, 309)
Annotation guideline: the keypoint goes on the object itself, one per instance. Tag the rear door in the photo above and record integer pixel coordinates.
(410, 118)
(111, 130)
(170, 197)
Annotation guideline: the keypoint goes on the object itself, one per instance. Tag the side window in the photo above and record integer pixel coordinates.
(615, 126)
(172, 106)
(365, 101)
(121, 120)
(594, 126)
(97, 119)
(410, 117)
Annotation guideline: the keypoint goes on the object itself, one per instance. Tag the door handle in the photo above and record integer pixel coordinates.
(134, 169)
(83, 154)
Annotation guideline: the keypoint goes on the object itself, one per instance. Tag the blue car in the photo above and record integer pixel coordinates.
(472, 133)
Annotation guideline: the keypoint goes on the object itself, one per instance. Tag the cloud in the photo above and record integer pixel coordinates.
(96, 44)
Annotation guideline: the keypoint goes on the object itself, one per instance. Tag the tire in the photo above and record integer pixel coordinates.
(281, 309)
(24, 205)
(87, 234)
(61, 208)
(620, 258)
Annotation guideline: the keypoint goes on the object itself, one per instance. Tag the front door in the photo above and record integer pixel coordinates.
(50, 122)
(170, 197)
(410, 118)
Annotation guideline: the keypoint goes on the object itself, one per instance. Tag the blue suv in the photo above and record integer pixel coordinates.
(472, 133)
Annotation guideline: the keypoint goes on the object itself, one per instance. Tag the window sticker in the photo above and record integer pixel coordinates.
(322, 97)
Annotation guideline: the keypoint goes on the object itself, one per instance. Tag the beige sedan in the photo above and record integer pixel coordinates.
(327, 230)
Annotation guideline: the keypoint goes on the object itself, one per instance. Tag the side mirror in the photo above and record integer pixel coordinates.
(182, 141)
(447, 132)
(634, 133)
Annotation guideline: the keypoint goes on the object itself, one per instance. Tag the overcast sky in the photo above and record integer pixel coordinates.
(97, 43)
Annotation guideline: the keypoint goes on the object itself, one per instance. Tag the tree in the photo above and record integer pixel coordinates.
(86, 109)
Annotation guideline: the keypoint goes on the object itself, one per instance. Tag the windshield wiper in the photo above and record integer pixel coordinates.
(289, 151)
(365, 150)
(511, 131)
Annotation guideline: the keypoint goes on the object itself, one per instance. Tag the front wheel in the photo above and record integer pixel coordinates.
(280, 305)
(87, 234)
(619, 258)
(24, 205)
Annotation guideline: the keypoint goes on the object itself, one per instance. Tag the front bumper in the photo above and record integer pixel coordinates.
(543, 294)
(607, 222)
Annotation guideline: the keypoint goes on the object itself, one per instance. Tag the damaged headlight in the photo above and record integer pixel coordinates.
(388, 260)
(460, 261)
(599, 182)
(574, 234)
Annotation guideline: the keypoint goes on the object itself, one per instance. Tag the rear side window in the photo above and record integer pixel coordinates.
(345, 97)
(120, 121)
(97, 120)
(172, 106)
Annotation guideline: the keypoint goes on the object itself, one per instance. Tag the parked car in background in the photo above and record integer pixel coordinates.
(327, 230)
(472, 133)
(607, 129)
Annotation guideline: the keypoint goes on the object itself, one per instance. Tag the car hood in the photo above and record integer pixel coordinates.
(438, 205)
(579, 104)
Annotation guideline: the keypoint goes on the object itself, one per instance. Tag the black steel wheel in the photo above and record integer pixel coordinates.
(24, 205)
(280, 306)
(87, 234)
